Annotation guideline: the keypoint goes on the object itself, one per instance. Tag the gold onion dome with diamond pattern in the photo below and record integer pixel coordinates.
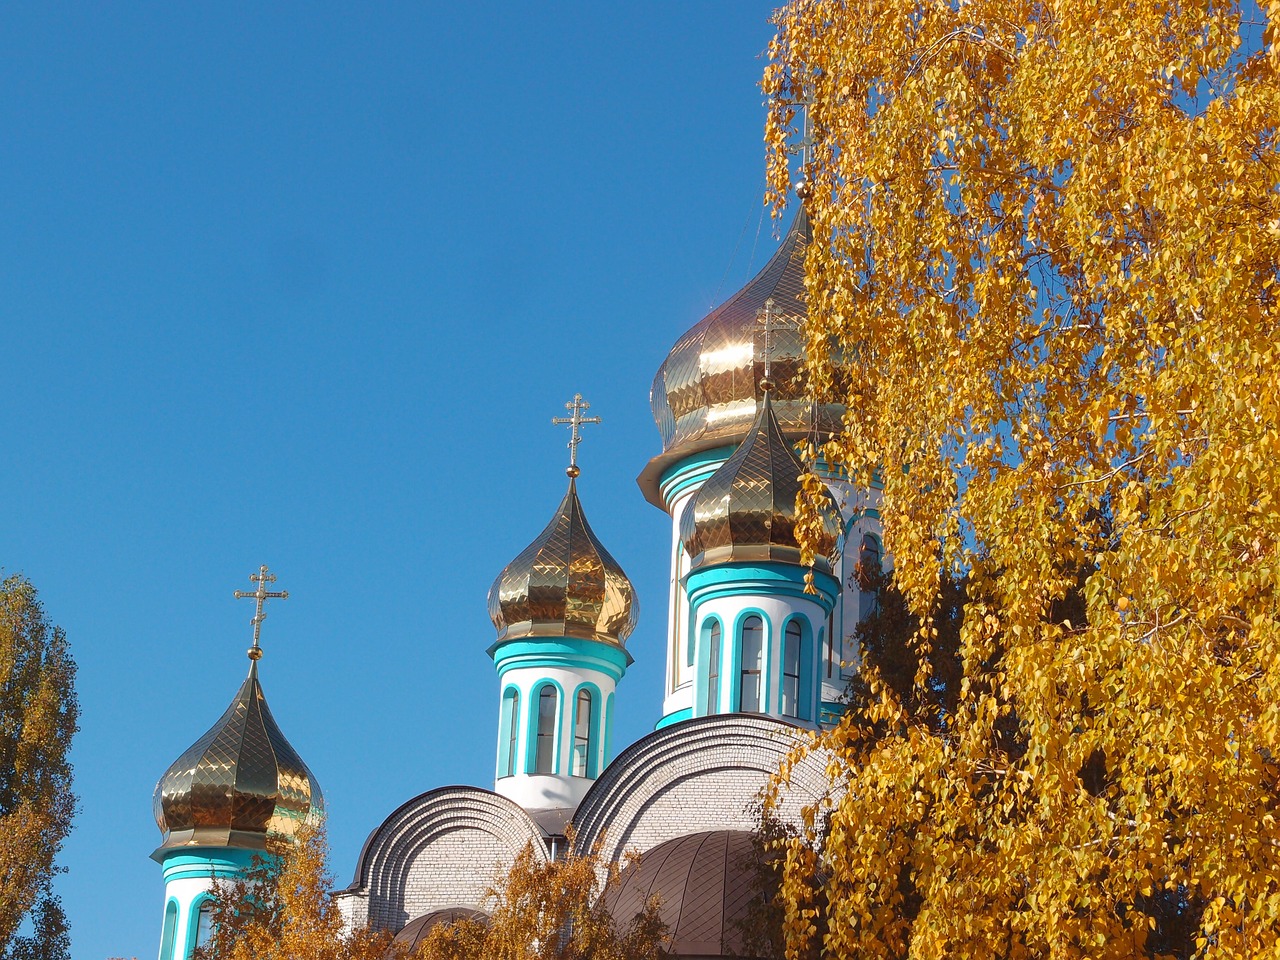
(238, 783)
(746, 510)
(707, 391)
(564, 584)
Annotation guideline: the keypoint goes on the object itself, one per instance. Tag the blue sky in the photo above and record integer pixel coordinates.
(304, 286)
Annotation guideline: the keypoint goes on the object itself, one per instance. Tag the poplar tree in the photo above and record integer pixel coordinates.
(1044, 281)
(38, 716)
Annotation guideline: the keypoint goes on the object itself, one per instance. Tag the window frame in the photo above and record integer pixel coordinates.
(535, 728)
(509, 744)
(760, 671)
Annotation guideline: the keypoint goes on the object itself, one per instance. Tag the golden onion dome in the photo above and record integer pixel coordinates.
(746, 510)
(564, 584)
(707, 391)
(238, 783)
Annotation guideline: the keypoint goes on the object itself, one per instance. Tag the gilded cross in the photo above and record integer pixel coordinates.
(577, 406)
(770, 320)
(262, 595)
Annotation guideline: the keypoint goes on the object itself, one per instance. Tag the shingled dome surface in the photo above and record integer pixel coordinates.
(415, 932)
(708, 887)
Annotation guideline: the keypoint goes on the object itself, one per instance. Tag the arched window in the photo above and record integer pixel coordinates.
(170, 931)
(511, 728)
(545, 756)
(204, 923)
(791, 685)
(713, 667)
(752, 665)
(582, 735)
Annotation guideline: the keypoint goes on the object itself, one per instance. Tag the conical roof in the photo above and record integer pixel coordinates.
(564, 584)
(746, 510)
(238, 783)
(707, 391)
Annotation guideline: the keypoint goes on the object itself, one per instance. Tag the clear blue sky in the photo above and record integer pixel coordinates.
(304, 287)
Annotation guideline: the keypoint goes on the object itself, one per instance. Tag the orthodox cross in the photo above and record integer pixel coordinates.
(767, 318)
(262, 595)
(576, 406)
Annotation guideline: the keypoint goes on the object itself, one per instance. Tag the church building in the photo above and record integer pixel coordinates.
(753, 662)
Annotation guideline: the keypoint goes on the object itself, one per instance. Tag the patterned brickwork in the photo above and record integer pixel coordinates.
(702, 774)
(441, 849)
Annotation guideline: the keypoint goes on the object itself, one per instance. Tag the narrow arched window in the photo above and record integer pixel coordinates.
(713, 667)
(791, 670)
(582, 735)
(752, 665)
(204, 924)
(545, 759)
(511, 728)
(170, 931)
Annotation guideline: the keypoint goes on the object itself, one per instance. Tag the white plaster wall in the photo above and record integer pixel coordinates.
(184, 890)
(777, 610)
(542, 791)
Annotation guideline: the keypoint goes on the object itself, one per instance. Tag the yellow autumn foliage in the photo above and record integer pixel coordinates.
(1047, 236)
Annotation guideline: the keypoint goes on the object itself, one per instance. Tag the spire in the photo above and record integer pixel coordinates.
(577, 405)
(261, 595)
(746, 510)
(242, 780)
(565, 583)
(768, 318)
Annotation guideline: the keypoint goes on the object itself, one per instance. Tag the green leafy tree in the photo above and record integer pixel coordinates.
(1044, 279)
(38, 717)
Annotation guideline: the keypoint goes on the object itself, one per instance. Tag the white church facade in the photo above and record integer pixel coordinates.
(754, 661)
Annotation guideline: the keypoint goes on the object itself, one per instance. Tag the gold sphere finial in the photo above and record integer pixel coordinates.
(766, 384)
(255, 653)
(572, 471)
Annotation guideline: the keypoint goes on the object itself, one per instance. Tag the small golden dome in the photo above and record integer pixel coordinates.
(238, 783)
(706, 393)
(564, 584)
(746, 510)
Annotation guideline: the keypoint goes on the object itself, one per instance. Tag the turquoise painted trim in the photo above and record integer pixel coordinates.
(608, 731)
(866, 513)
(568, 652)
(830, 712)
(735, 693)
(702, 675)
(759, 580)
(507, 717)
(531, 735)
(692, 470)
(676, 717)
(193, 924)
(593, 729)
(806, 694)
(180, 864)
(169, 929)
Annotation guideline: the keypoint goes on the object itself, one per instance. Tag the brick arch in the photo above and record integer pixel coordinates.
(701, 774)
(441, 849)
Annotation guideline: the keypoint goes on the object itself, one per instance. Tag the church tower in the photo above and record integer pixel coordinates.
(707, 399)
(218, 803)
(563, 610)
(755, 631)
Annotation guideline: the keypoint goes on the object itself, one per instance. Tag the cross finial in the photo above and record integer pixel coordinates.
(262, 595)
(803, 147)
(577, 405)
(769, 319)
